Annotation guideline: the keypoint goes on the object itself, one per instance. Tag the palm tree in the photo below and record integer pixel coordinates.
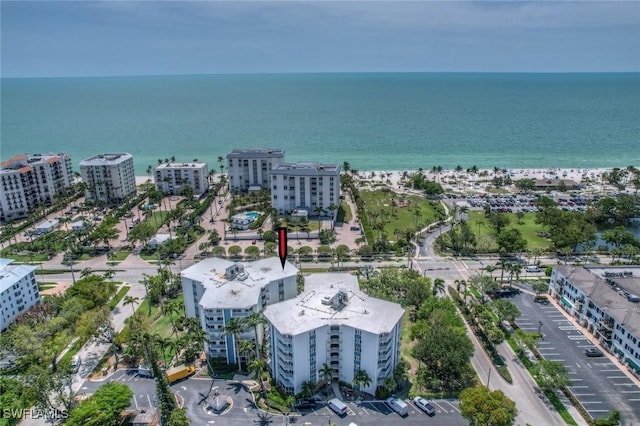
(130, 300)
(86, 272)
(221, 162)
(233, 327)
(257, 367)
(438, 286)
(255, 319)
(361, 378)
(326, 373)
(170, 308)
(246, 347)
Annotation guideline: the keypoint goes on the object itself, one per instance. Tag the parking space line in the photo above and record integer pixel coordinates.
(623, 384)
(634, 399)
(633, 391)
(578, 386)
(149, 399)
(453, 406)
(617, 377)
(558, 359)
(584, 394)
(135, 400)
(591, 402)
(440, 406)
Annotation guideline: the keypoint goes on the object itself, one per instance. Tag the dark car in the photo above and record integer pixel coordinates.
(593, 352)
(305, 403)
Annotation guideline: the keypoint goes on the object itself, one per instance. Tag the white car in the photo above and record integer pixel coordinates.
(424, 405)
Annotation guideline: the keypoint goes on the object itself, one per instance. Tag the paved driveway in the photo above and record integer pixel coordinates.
(596, 382)
(242, 411)
(379, 413)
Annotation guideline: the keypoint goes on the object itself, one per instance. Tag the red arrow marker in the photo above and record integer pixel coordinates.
(282, 245)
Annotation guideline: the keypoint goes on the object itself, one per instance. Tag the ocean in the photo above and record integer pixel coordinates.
(375, 121)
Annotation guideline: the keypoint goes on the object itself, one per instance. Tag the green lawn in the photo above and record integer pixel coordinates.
(528, 227)
(157, 219)
(344, 213)
(121, 255)
(119, 296)
(379, 206)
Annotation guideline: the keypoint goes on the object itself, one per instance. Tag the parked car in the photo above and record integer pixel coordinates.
(424, 405)
(305, 403)
(398, 405)
(593, 352)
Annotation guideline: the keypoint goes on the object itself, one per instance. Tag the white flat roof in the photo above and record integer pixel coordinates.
(307, 312)
(221, 293)
(106, 159)
(306, 168)
(9, 274)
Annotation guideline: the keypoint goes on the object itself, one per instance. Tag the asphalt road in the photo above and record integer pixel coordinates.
(597, 383)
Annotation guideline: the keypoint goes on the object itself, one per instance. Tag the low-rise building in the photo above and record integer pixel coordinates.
(217, 290)
(605, 300)
(18, 291)
(249, 169)
(243, 221)
(158, 240)
(332, 322)
(110, 178)
(27, 181)
(46, 226)
(172, 178)
(310, 186)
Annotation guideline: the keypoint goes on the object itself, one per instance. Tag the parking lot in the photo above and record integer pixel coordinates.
(379, 412)
(242, 411)
(596, 382)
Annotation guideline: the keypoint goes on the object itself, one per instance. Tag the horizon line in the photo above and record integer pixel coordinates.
(309, 73)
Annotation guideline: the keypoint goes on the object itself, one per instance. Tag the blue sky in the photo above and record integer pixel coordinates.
(83, 38)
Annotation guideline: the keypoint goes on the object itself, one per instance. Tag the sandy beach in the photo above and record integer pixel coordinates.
(394, 177)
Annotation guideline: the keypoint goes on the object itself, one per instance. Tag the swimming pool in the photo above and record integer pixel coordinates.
(252, 215)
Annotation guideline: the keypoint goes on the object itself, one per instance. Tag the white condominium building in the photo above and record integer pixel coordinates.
(109, 177)
(172, 178)
(605, 300)
(332, 322)
(217, 290)
(18, 291)
(29, 180)
(249, 169)
(314, 187)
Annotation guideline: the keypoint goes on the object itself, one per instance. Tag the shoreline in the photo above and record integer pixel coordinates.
(394, 176)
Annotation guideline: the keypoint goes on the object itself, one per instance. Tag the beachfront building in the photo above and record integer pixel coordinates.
(604, 300)
(18, 291)
(310, 186)
(172, 178)
(332, 322)
(30, 180)
(249, 169)
(217, 290)
(243, 221)
(110, 178)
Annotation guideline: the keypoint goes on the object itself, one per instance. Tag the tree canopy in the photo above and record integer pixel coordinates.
(484, 408)
(103, 408)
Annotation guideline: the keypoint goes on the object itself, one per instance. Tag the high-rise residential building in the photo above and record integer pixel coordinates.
(18, 291)
(172, 178)
(30, 180)
(217, 290)
(249, 169)
(606, 301)
(310, 186)
(110, 178)
(332, 322)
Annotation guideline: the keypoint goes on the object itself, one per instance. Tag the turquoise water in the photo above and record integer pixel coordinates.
(253, 215)
(374, 121)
